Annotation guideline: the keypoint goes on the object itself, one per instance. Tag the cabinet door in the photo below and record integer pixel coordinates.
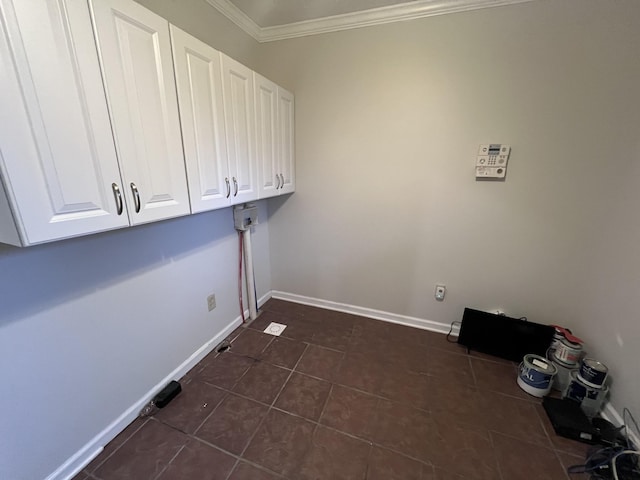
(266, 100)
(135, 53)
(199, 82)
(57, 156)
(286, 143)
(237, 82)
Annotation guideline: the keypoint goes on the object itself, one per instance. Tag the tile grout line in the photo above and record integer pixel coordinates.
(144, 422)
(234, 455)
(272, 404)
(171, 460)
(318, 423)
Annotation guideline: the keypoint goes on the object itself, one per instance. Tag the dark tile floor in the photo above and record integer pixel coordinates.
(340, 397)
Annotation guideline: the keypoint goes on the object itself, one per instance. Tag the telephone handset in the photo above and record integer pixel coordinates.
(492, 160)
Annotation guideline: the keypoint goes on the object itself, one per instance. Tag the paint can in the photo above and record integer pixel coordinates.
(567, 352)
(562, 378)
(558, 336)
(592, 403)
(592, 373)
(536, 375)
(590, 399)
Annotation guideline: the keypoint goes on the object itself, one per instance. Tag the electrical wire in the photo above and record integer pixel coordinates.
(627, 413)
(615, 460)
(451, 330)
(607, 454)
(240, 242)
(255, 292)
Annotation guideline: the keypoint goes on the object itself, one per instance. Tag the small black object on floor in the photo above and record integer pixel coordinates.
(570, 421)
(167, 394)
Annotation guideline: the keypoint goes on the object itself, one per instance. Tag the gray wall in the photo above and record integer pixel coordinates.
(389, 120)
(90, 326)
(204, 22)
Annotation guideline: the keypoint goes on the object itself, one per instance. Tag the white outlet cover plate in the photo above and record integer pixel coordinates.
(275, 329)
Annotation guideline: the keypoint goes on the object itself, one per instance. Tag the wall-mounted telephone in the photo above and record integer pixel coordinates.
(492, 160)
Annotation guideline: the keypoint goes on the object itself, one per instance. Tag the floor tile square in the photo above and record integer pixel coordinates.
(144, 455)
(440, 363)
(498, 377)
(251, 343)
(334, 456)
(387, 465)
(461, 449)
(245, 471)
(359, 372)
(403, 429)
(116, 443)
(283, 352)
(320, 362)
(304, 396)
(336, 338)
(262, 382)
(225, 370)
(232, 424)
(191, 407)
(521, 460)
(513, 417)
(281, 442)
(197, 460)
(350, 411)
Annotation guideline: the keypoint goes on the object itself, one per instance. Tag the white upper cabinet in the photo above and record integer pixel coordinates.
(275, 136)
(91, 136)
(58, 164)
(286, 141)
(266, 93)
(237, 82)
(135, 52)
(199, 81)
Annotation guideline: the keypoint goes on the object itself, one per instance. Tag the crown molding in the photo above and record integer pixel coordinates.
(238, 17)
(366, 18)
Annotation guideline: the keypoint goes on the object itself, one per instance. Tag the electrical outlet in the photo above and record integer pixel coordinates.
(440, 292)
(211, 301)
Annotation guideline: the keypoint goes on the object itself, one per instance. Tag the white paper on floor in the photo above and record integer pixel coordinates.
(275, 329)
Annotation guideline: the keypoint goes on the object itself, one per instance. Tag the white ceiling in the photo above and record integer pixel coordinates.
(268, 20)
(271, 13)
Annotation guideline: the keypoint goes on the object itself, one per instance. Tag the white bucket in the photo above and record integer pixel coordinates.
(535, 375)
(562, 378)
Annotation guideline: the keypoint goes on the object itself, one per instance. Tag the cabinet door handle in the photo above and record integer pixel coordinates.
(235, 186)
(277, 181)
(118, 196)
(136, 196)
(226, 179)
(282, 180)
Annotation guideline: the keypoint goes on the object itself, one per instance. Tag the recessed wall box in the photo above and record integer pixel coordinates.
(245, 216)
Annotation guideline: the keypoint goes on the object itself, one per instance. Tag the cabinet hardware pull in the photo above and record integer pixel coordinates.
(277, 181)
(235, 186)
(118, 196)
(282, 180)
(226, 179)
(136, 196)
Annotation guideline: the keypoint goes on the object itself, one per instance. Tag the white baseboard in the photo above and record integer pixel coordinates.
(86, 454)
(612, 415)
(608, 412)
(367, 312)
